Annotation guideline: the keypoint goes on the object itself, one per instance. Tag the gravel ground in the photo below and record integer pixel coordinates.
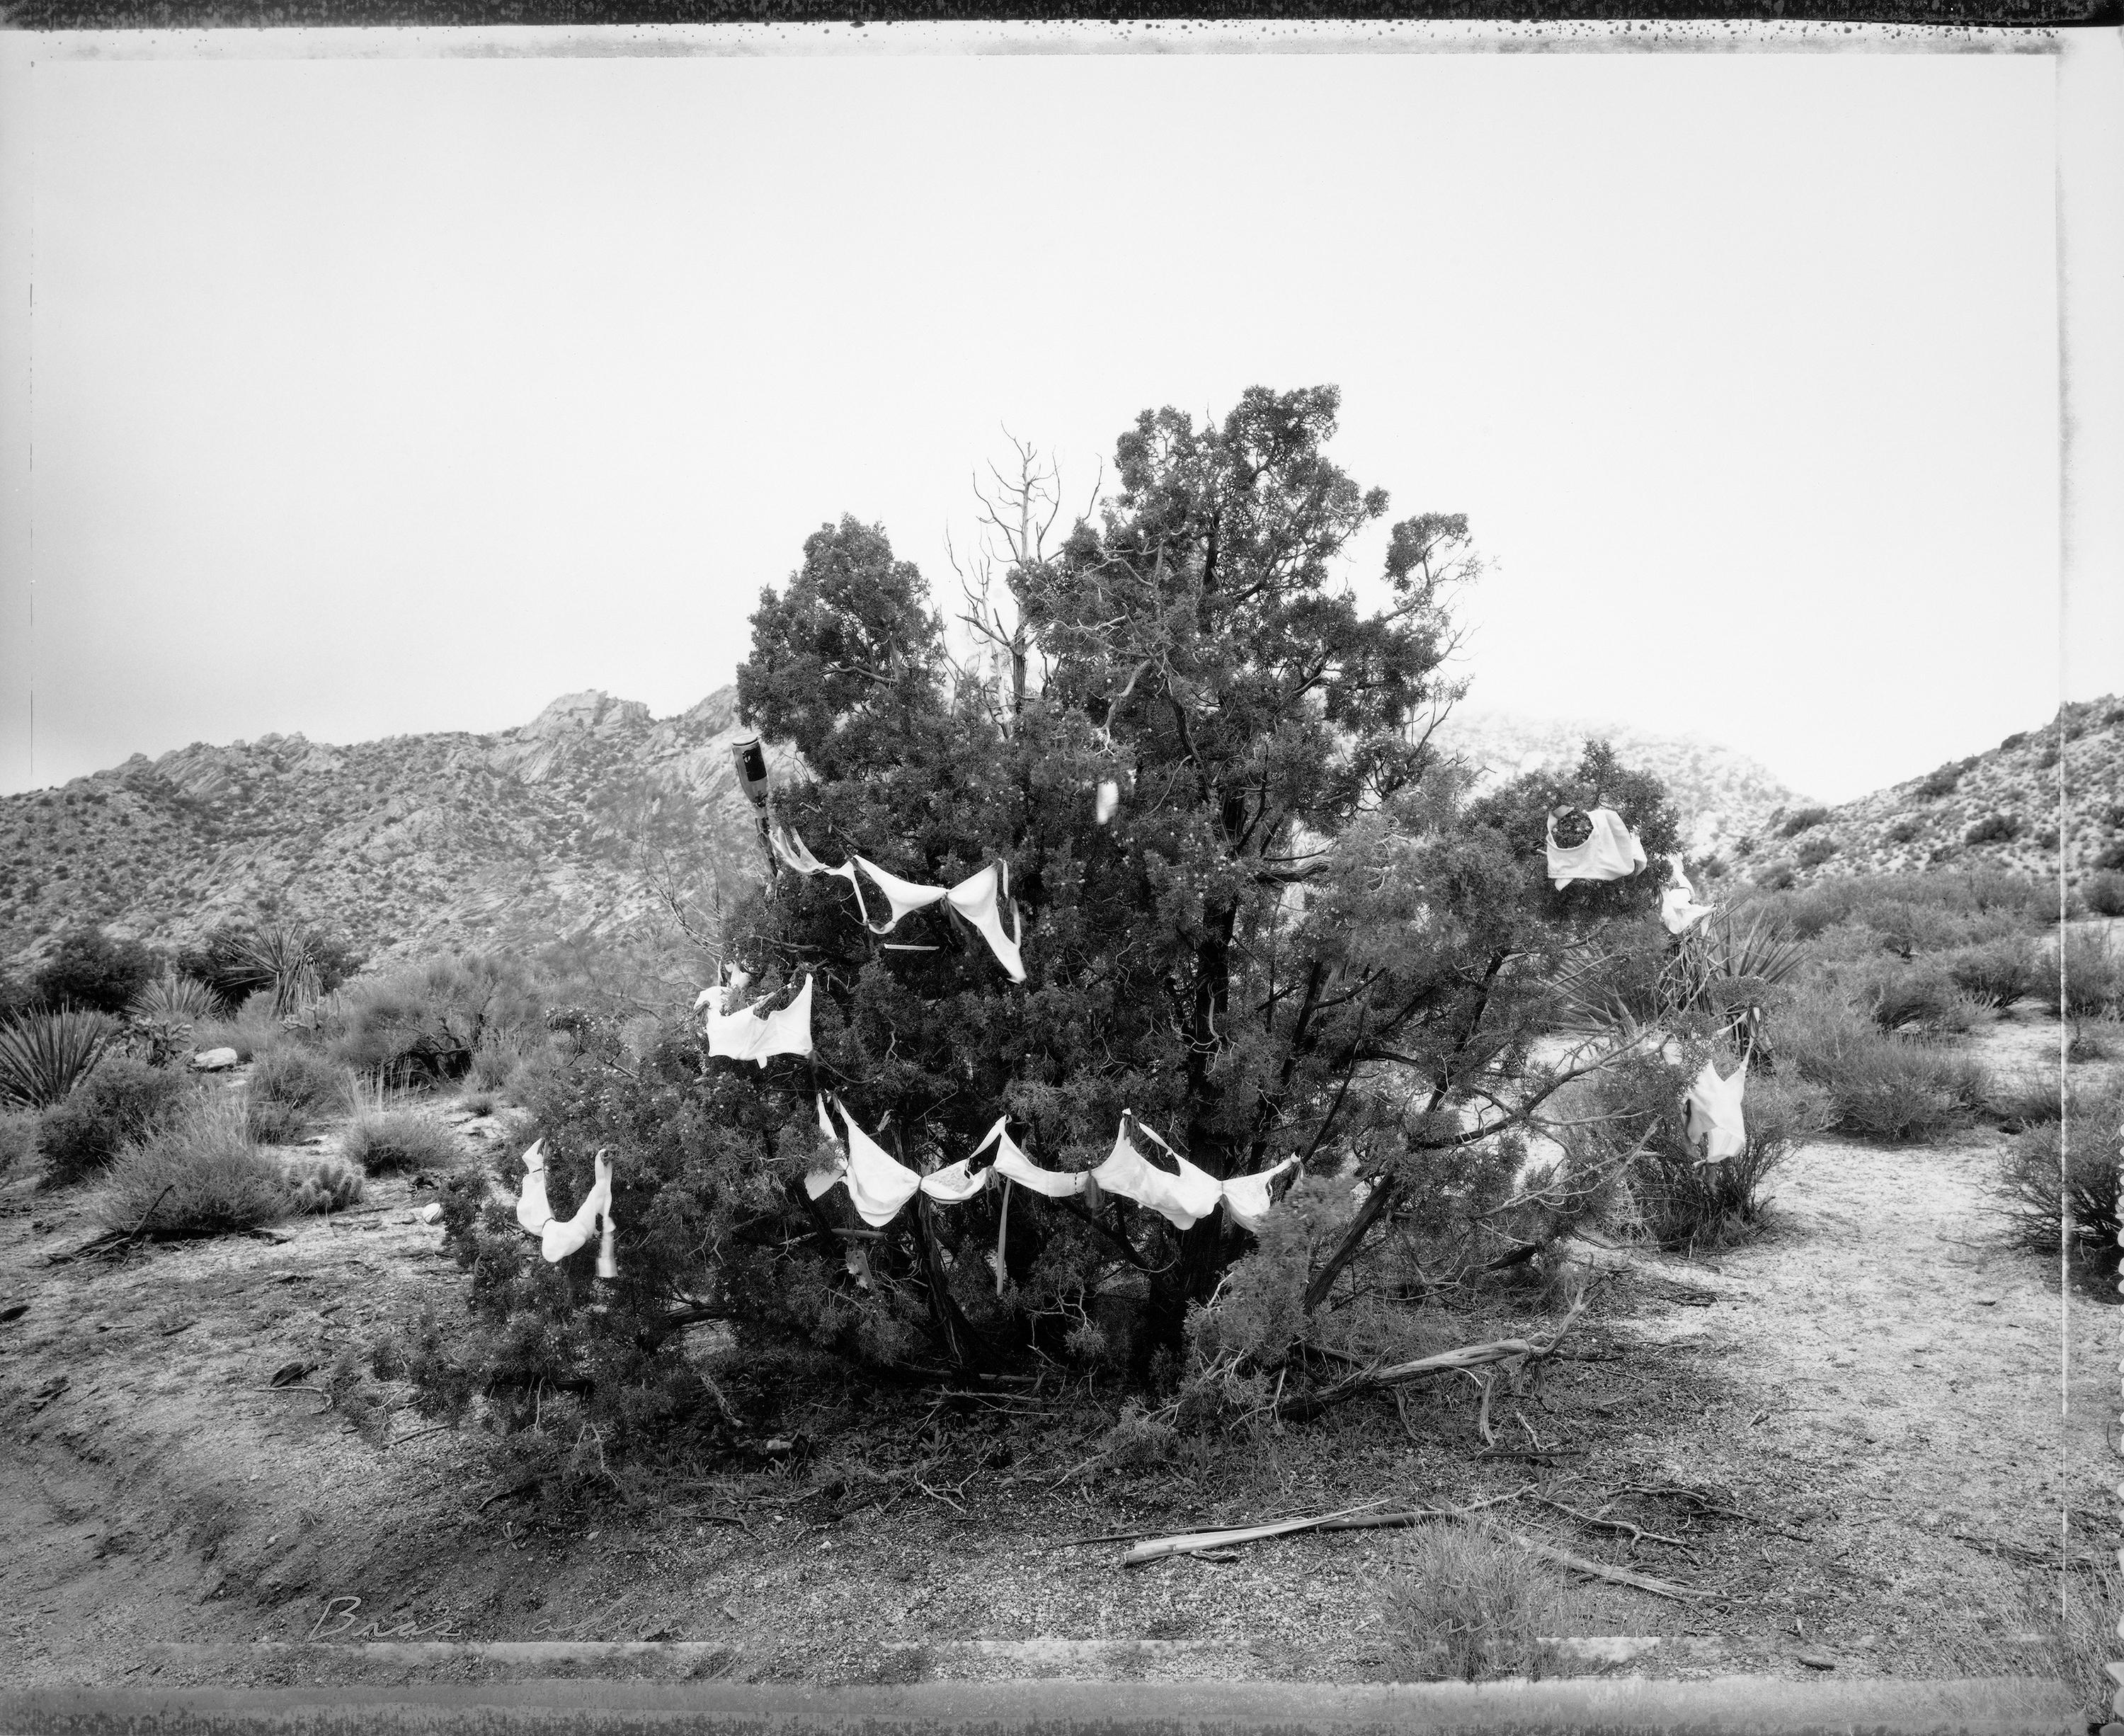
(1875, 1384)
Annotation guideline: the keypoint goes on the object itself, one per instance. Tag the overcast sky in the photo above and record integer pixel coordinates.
(371, 397)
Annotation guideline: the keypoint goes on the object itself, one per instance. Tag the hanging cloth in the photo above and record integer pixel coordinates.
(751, 1035)
(1711, 1113)
(1181, 1200)
(904, 895)
(791, 851)
(879, 1184)
(954, 1184)
(817, 1181)
(1611, 852)
(532, 1211)
(1013, 1164)
(979, 899)
(557, 1240)
(1680, 911)
(1245, 1196)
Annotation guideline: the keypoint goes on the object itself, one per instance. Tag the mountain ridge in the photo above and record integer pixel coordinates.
(559, 830)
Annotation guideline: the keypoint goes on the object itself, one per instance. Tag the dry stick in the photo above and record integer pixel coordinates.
(1188, 1542)
(1356, 1518)
(1636, 1533)
(1466, 1356)
(1593, 1569)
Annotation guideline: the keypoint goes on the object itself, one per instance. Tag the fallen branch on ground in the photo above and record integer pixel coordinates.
(1636, 1533)
(1354, 1518)
(1462, 1357)
(1592, 1570)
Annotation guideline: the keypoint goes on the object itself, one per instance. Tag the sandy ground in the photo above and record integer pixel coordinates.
(1909, 1414)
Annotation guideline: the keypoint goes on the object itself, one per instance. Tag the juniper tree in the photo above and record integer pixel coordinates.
(1296, 937)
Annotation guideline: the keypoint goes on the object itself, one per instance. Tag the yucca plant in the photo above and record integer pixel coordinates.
(1723, 965)
(175, 999)
(44, 1056)
(287, 956)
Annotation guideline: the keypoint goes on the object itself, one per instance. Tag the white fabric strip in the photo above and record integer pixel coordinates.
(979, 898)
(904, 895)
(557, 1240)
(1245, 1196)
(532, 1211)
(879, 1184)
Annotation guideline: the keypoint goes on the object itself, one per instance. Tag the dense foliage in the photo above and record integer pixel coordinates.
(1296, 938)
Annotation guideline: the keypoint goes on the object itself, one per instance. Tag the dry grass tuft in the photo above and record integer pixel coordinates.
(1462, 1605)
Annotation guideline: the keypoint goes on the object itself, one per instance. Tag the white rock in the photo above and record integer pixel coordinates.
(213, 1060)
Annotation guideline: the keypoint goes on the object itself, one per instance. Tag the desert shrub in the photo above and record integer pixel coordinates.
(323, 1185)
(291, 1089)
(201, 1174)
(2026, 1100)
(2104, 893)
(252, 1031)
(1460, 1605)
(18, 1138)
(478, 1102)
(1903, 830)
(1802, 820)
(89, 968)
(2042, 1193)
(385, 1141)
(44, 1054)
(1994, 974)
(123, 1100)
(1879, 1086)
(1776, 877)
(1679, 1200)
(431, 1020)
(1814, 851)
(1934, 785)
(1993, 829)
(2014, 741)
(1138, 1437)
(2080, 975)
(1921, 997)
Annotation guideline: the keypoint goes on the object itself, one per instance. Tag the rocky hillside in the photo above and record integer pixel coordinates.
(1721, 796)
(405, 845)
(1997, 810)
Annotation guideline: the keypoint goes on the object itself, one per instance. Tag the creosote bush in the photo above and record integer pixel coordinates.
(1461, 1606)
(2104, 893)
(432, 1020)
(2088, 1130)
(1880, 1086)
(388, 1141)
(18, 1138)
(2080, 975)
(291, 1089)
(122, 1101)
(1995, 973)
(201, 1174)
